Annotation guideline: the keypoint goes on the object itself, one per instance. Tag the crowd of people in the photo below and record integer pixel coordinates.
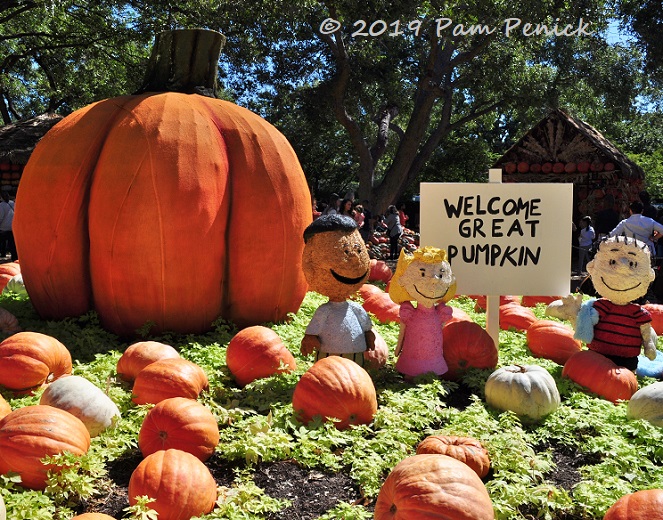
(7, 244)
(393, 222)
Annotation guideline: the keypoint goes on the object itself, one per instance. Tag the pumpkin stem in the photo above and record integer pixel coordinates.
(184, 60)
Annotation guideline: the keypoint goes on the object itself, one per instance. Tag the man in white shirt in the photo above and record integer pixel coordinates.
(638, 226)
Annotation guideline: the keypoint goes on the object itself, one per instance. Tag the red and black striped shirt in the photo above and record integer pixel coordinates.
(617, 332)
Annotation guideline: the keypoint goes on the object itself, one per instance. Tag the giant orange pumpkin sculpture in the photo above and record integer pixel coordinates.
(164, 207)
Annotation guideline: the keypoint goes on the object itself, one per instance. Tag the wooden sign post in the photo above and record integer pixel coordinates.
(501, 238)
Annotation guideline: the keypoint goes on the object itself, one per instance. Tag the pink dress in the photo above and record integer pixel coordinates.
(422, 341)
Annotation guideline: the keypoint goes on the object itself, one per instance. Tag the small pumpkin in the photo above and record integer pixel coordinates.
(552, 340)
(16, 286)
(467, 345)
(377, 358)
(656, 312)
(380, 271)
(383, 307)
(527, 390)
(31, 433)
(515, 316)
(8, 322)
(368, 289)
(7, 272)
(467, 450)
(335, 387)
(646, 504)
(182, 424)
(138, 355)
(30, 359)
(601, 376)
(431, 487)
(93, 516)
(175, 377)
(180, 484)
(647, 403)
(80, 397)
(257, 352)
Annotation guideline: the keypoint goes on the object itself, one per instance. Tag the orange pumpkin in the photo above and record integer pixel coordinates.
(368, 289)
(465, 449)
(646, 504)
(93, 516)
(458, 315)
(377, 358)
(552, 340)
(175, 377)
(467, 345)
(383, 307)
(656, 312)
(335, 387)
(601, 376)
(515, 316)
(181, 485)
(203, 199)
(137, 356)
(427, 487)
(532, 301)
(31, 433)
(480, 304)
(30, 359)
(257, 352)
(380, 271)
(179, 423)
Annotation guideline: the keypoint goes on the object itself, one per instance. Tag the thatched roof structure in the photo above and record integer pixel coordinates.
(17, 140)
(561, 148)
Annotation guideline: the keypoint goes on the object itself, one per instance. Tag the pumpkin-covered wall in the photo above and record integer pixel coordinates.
(163, 207)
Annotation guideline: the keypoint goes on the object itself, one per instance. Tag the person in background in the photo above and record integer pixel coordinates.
(346, 208)
(359, 217)
(366, 231)
(648, 210)
(332, 207)
(606, 219)
(6, 220)
(401, 214)
(316, 213)
(585, 241)
(395, 230)
(638, 226)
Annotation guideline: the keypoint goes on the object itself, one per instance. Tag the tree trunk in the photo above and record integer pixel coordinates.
(184, 60)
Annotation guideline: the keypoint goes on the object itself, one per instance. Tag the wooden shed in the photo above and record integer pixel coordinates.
(561, 148)
(17, 140)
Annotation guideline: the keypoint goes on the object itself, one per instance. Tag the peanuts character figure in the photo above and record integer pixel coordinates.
(612, 325)
(424, 277)
(336, 264)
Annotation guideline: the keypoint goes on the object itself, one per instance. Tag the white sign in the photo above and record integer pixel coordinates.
(510, 238)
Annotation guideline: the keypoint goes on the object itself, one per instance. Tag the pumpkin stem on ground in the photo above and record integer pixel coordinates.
(184, 60)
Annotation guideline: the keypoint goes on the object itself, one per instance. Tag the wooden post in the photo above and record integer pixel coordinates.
(184, 60)
(493, 300)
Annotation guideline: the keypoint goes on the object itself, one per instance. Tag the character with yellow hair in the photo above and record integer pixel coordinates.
(423, 277)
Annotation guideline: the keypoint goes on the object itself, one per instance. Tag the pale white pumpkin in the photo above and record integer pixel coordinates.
(3, 510)
(80, 397)
(527, 390)
(647, 403)
(15, 285)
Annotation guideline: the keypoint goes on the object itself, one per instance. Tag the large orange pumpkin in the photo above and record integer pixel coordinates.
(31, 433)
(646, 504)
(179, 423)
(467, 345)
(383, 307)
(515, 316)
(167, 208)
(257, 352)
(181, 485)
(428, 487)
(601, 376)
(174, 377)
(335, 387)
(30, 359)
(552, 340)
(467, 450)
(138, 355)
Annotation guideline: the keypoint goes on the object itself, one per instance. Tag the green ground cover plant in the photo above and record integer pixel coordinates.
(610, 455)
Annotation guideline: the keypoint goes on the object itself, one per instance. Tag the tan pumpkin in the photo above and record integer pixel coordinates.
(138, 355)
(182, 424)
(175, 377)
(647, 403)
(93, 516)
(4, 407)
(30, 359)
(81, 398)
(181, 485)
(31, 433)
(3, 509)
(428, 487)
(335, 387)
(467, 450)
(8, 322)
